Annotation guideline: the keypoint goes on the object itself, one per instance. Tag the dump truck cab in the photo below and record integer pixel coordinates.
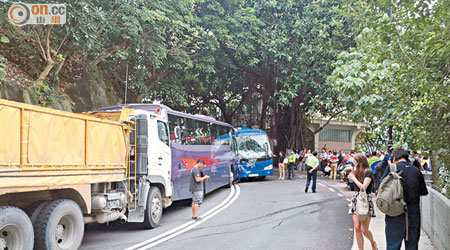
(153, 153)
(149, 176)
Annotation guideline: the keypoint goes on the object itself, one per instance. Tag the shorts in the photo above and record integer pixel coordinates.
(197, 197)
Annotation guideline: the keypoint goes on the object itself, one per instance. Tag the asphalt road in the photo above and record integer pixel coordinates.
(268, 214)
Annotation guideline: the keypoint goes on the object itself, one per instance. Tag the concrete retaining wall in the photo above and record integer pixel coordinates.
(436, 218)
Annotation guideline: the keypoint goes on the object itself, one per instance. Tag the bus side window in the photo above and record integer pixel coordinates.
(224, 131)
(203, 133)
(175, 129)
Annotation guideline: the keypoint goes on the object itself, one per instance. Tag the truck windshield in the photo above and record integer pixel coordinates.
(253, 147)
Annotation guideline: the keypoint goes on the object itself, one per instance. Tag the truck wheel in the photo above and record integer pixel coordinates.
(16, 230)
(34, 209)
(154, 208)
(59, 225)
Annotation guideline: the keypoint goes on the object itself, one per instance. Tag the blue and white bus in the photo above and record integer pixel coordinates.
(254, 153)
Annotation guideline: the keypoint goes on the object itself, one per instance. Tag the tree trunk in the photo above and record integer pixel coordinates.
(274, 129)
(390, 136)
(302, 131)
(45, 72)
(55, 80)
(434, 170)
(262, 122)
(293, 123)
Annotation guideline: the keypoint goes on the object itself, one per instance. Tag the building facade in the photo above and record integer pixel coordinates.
(336, 135)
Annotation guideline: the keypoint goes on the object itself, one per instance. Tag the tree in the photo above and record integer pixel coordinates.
(274, 53)
(399, 74)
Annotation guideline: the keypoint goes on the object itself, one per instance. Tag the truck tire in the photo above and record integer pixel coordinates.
(154, 208)
(59, 226)
(34, 209)
(16, 230)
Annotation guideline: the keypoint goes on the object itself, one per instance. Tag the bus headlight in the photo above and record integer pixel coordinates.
(268, 167)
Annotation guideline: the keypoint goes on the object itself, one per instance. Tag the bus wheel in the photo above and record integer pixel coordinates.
(16, 230)
(154, 208)
(59, 225)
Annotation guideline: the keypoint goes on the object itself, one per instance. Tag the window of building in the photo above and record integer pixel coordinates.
(334, 135)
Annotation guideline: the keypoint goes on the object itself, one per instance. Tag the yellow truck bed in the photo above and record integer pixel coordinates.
(42, 148)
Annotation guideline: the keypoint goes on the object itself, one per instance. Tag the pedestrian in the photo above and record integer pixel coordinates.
(334, 159)
(323, 158)
(415, 161)
(291, 160)
(307, 153)
(340, 157)
(281, 166)
(363, 178)
(311, 171)
(297, 160)
(383, 166)
(350, 159)
(196, 187)
(413, 187)
(373, 161)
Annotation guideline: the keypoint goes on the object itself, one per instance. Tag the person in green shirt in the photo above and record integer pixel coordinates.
(312, 164)
(291, 160)
(372, 160)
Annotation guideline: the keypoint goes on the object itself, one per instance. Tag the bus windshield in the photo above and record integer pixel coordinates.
(253, 147)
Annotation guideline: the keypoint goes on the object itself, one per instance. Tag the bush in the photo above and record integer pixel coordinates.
(444, 183)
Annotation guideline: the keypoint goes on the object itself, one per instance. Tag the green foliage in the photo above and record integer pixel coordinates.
(43, 94)
(4, 39)
(280, 59)
(275, 52)
(3, 68)
(398, 75)
(444, 183)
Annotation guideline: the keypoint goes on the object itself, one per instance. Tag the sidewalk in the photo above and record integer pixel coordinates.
(377, 228)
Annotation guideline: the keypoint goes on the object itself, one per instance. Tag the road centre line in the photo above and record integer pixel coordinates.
(321, 184)
(348, 200)
(340, 195)
(232, 196)
(206, 218)
(332, 190)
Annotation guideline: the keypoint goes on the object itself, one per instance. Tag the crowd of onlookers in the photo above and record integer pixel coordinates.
(371, 173)
(291, 160)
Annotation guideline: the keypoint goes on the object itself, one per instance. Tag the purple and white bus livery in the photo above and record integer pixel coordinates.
(168, 144)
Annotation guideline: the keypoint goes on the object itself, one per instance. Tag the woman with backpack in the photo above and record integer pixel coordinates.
(364, 179)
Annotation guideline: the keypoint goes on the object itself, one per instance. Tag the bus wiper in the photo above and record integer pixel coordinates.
(244, 160)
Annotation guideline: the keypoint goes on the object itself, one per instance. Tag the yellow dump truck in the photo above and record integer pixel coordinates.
(60, 170)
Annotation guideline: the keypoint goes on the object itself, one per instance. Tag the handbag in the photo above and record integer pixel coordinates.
(362, 205)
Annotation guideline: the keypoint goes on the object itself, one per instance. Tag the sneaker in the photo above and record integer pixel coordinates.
(197, 218)
(306, 190)
(314, 191)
